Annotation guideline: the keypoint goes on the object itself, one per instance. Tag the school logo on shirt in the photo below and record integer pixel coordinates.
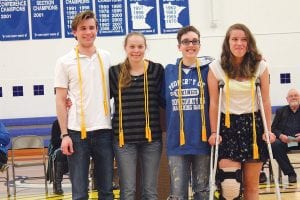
(190, 95)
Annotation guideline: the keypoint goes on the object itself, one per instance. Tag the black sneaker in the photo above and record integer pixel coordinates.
(262, 177)
(293, 178)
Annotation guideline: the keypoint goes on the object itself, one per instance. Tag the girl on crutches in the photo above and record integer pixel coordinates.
(242, 149)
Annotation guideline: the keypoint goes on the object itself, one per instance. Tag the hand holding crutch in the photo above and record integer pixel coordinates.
(215, 149)
(257, 84)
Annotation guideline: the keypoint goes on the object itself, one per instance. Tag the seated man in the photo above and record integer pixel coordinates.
(286, 126)
(4, 141)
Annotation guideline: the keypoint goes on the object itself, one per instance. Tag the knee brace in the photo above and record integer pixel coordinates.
(230, 180)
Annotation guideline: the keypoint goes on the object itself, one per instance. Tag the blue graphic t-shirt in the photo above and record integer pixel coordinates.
(191, 109)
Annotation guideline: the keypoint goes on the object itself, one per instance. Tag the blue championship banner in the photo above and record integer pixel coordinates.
(45, 19)
(14, 23)
(174, 14)
(142, 16)
(111, 17)
(71, 8)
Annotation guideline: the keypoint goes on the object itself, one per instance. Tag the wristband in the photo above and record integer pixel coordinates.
(65, 135)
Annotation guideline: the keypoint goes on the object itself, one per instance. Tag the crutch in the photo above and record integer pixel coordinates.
(215, 149)
(257, 83)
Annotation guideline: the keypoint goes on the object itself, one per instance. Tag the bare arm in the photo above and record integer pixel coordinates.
(62, 116)
(265, 91)
(213, 105)
(61, 109)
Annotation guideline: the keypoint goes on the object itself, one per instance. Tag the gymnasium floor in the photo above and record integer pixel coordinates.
(27, 190)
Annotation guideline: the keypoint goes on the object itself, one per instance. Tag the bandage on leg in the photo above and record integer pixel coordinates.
(230, 179)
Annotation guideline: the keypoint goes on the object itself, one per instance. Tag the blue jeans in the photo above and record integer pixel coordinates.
(99, 146)
(149, 156)
(181, 168)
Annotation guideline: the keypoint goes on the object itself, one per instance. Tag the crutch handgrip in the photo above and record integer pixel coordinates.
(257, 82)
(221, 84)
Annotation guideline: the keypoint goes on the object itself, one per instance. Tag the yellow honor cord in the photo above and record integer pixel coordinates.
(121, 138)
(103, 85)
(255, 147)
(202, 102)
(121, 131)
(180, 104)
(227, 115)
(148, 134)
(82, 117)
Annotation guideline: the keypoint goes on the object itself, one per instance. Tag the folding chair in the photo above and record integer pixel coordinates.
(27, 146)
(6, 179)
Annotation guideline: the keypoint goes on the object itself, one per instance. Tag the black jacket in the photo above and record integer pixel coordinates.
(286, 122)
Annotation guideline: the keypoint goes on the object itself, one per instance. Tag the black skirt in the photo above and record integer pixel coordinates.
(237, 141)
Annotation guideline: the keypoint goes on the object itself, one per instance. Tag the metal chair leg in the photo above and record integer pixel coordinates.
(14, 181)
(7, 182)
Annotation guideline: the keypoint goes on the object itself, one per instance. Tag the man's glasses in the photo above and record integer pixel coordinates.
(187, 42)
